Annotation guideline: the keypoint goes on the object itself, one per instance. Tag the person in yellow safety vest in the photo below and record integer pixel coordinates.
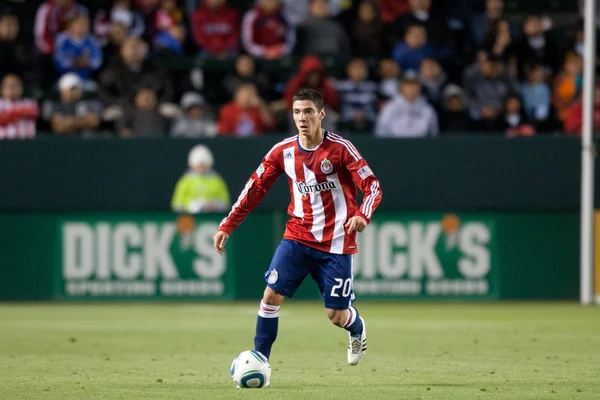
(200, 189)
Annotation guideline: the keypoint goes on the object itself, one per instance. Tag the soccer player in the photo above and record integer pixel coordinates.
(323, 172)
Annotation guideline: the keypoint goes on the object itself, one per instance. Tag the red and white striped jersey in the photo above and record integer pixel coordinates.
(323, 184)
(18, 118)
(50, 20)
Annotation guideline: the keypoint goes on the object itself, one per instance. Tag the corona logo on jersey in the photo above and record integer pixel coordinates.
(303, 188)
(326, 166)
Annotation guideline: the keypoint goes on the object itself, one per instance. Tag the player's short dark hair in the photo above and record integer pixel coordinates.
(312, 95)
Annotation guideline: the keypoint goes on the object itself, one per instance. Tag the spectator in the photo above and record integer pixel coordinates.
(195, 121)
(144, 120)
(125, 75)
(167, 16)
(389, 74)
(51, 18)
(536, 46)
(499, 42)
(265, 31)
(312, 75)
(358, 95)
(245, 72)
(147, 6)
(486, 88)
(201, 189)
(72, 115)
(392, 9)
(247, 115)
(536, 95)
(322, 35)
(513, 121)
(409, 53)
(170, 40)
(17, 115)
(14, 54)
(78, 51)
(216, 28)
(454, 116)
(122, 14)
(433, 79)
(567, 85)
(116, 37)
(368, 31)
(494, 11)
(408, 115)
(573, 121)
(577, 44)
(296, 12)
(420, 14)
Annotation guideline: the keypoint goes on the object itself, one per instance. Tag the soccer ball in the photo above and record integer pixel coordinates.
(250, 369)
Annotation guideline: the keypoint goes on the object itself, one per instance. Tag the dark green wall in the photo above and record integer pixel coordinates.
(462, 173)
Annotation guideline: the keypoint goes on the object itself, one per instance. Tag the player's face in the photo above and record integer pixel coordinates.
(307, 117)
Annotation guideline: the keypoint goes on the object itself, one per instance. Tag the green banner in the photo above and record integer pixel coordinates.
(427, 255)
(402, 255)
(140, 256)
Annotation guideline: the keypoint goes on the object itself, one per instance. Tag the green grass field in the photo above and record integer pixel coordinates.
(184, 351)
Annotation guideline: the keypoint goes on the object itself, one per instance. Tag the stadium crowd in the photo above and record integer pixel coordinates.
(193, 68)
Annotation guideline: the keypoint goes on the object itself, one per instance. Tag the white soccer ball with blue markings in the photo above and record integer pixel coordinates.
(250, 369)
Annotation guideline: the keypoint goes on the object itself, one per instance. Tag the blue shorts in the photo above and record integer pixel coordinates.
(293, 261)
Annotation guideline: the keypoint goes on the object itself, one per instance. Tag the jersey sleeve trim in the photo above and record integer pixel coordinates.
(346, 143)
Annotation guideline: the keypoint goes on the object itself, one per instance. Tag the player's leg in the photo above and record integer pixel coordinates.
(288, 269)
(335, 276)
(267, 321)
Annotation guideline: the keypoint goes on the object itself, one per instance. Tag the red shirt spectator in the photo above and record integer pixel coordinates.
(392, 9)
(265, 31)
(167, 16)
(247, 115)
(17, 116)
(312, 75)
(216, 27)
(51, 18)
(574, 119)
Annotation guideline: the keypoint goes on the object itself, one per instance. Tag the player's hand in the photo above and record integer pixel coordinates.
(356, 223)
(220, 239)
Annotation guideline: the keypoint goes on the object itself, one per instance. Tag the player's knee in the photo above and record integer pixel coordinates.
(337, 317)
(272, 298)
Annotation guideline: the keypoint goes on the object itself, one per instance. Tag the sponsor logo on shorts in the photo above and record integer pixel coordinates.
(273, 277)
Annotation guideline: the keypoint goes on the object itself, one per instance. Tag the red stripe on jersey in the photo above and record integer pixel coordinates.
(300, 177)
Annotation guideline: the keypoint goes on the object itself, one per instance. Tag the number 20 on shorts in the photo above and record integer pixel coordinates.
(345, 285)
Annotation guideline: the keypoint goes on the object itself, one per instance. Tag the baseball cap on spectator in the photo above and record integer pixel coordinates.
(191, 99)
(69, 81)
(121, 16)
(410, 76)
(453, 90)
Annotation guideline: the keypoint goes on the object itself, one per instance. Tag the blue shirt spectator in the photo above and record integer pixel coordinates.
(409, 53)
(536, 94)
(76, 50)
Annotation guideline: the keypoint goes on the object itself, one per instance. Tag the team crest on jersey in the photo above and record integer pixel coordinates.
(326, 166)
(273, 277)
